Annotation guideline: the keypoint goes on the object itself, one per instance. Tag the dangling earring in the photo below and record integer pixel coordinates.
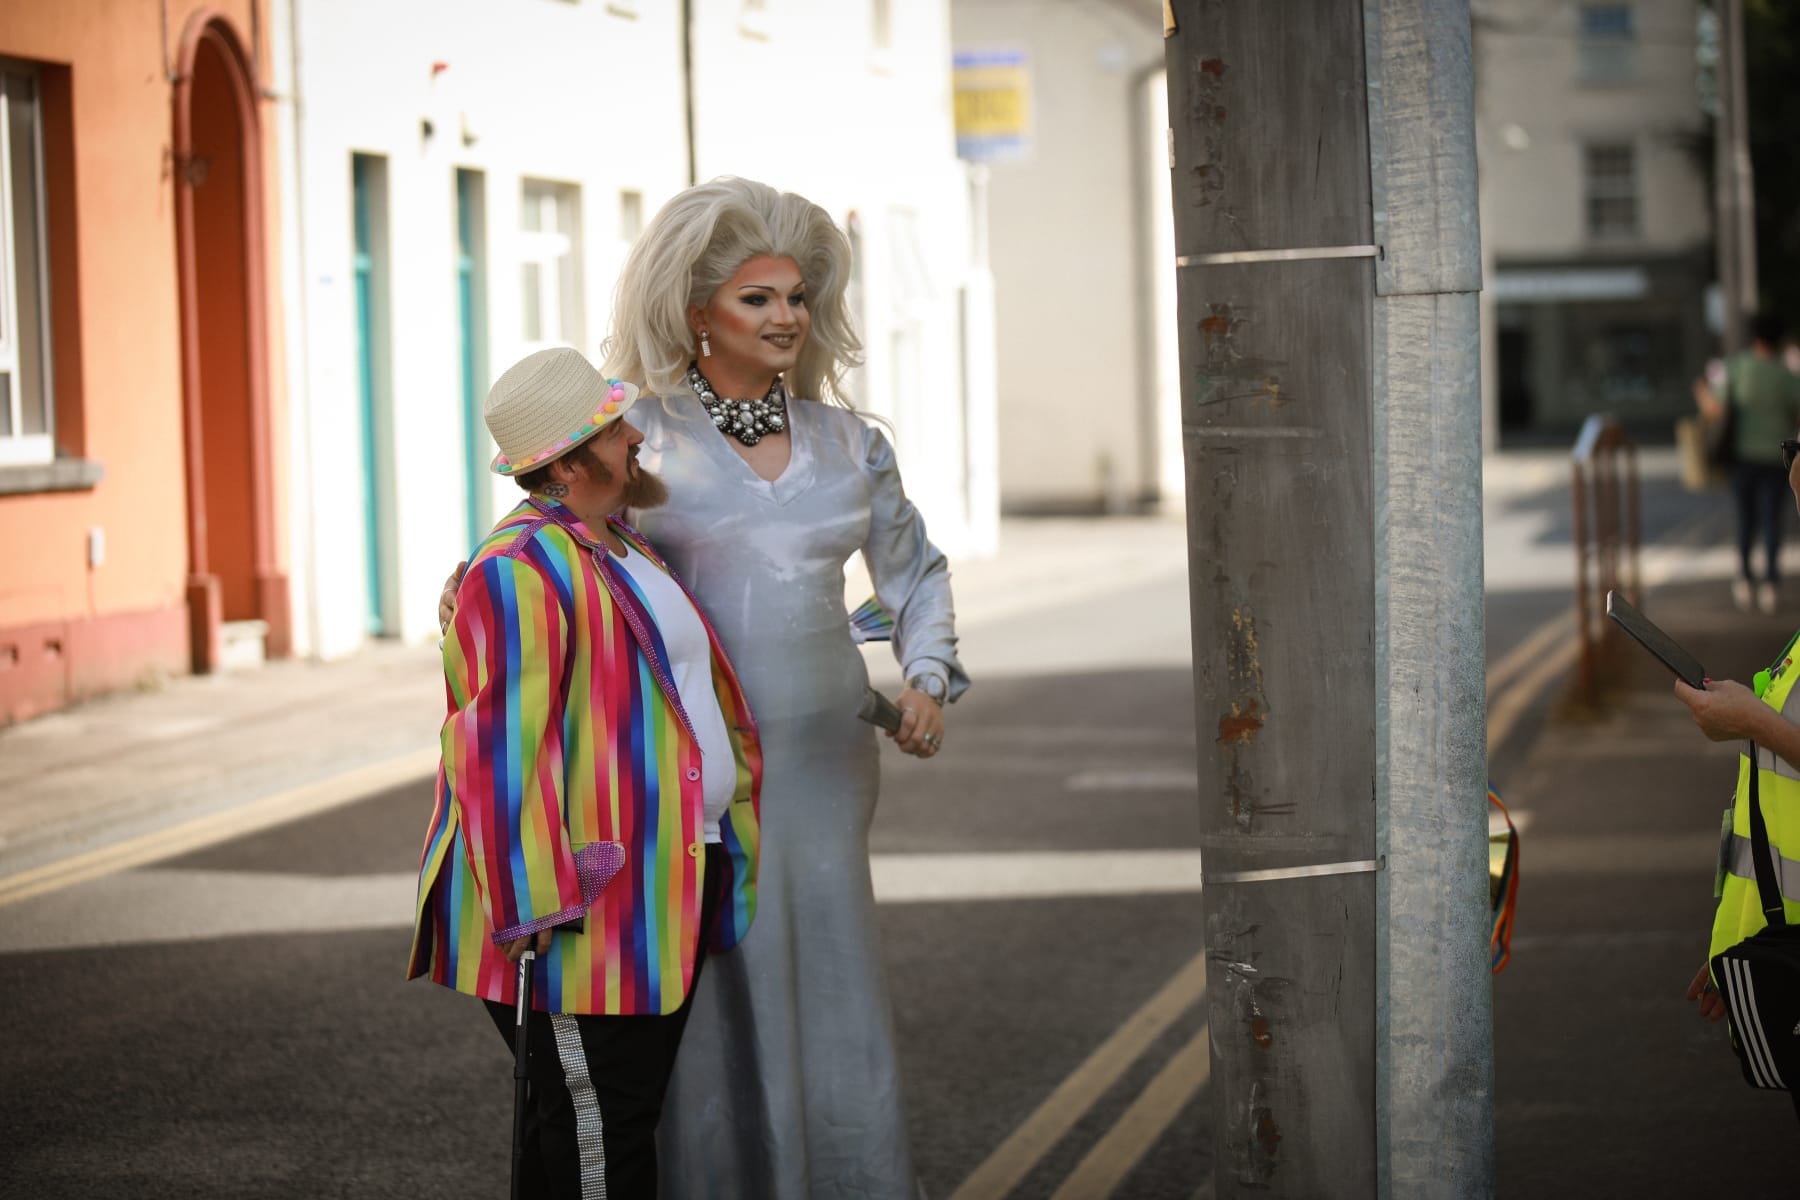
(705, 346)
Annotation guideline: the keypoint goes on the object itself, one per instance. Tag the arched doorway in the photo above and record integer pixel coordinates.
(233, 574)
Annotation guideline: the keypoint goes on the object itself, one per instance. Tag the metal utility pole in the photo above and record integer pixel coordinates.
(1329, 261)
(1733, 187)
(687, 91)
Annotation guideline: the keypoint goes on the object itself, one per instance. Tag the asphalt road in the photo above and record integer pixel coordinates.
(233, 1023)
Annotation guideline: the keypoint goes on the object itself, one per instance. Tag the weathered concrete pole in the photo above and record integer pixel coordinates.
(1324, 192)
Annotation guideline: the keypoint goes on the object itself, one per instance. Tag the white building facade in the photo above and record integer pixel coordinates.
(461, 182)
(1082, 254)
(1595, 221)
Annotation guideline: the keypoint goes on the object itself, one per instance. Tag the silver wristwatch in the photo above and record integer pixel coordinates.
(930, 685)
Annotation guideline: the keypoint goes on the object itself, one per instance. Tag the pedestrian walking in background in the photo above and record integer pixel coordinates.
(1760, 398)
(597, 798)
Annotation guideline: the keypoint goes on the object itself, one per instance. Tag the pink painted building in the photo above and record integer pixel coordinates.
(140, 464)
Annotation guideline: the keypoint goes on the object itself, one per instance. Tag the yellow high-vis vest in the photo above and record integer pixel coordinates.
(1740, 908)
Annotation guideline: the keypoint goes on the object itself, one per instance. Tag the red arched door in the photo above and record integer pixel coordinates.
(233, 573)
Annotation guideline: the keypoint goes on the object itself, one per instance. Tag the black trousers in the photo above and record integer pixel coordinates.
(1761, 492)
(596, 1085)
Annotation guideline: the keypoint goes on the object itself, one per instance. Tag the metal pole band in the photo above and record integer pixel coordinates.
(1342, 868)
(1229, 257)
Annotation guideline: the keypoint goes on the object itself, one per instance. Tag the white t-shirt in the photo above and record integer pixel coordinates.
(690, 664)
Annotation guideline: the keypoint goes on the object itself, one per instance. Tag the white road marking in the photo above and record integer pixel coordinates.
(1135, 779)
(1063, 736)
(1033, 875)
(163, 905)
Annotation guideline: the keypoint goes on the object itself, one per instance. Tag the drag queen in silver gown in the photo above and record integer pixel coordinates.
(786, 1085)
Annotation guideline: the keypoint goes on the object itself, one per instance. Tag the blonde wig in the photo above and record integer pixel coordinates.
(697, 242)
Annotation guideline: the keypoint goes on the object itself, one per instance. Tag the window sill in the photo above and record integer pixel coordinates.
(59, 475)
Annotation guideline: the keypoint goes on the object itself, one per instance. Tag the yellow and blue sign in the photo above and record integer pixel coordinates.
(993, 105)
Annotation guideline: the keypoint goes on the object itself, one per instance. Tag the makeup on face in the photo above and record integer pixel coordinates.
(756, 324)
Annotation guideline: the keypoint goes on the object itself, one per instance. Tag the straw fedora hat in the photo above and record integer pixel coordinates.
(548, 403)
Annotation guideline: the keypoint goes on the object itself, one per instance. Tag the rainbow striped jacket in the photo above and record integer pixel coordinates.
(570, 785)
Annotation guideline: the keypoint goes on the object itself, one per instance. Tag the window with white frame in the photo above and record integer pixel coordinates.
(1608, 46)
(1612, 191)
(26, 399)
(550, 264)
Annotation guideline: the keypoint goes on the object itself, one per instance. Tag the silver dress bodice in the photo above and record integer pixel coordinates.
(786, 1084)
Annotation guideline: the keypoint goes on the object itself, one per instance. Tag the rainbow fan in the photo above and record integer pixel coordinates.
(1503, 880)
(871, 622)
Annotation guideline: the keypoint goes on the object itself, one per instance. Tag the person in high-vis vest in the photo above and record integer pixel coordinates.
(1766, 713)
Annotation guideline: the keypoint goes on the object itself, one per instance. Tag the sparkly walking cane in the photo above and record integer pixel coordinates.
(521, 1059)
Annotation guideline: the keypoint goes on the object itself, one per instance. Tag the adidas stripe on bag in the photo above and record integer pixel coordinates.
(1759, 978)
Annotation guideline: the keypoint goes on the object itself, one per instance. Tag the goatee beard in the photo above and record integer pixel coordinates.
(644, 490)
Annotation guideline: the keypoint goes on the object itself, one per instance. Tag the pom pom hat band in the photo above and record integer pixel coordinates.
(548, 403)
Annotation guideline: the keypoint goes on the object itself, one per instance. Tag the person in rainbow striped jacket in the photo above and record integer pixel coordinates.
(598, 795)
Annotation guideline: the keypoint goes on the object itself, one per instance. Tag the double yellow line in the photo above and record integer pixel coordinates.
(1137, 1129)
(1513, 684)
(1517, 680)
(1520, 678)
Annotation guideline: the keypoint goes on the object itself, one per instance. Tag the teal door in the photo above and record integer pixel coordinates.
(363, 185)
(472, 334)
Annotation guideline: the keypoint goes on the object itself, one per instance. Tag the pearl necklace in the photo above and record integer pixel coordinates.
(749, 421)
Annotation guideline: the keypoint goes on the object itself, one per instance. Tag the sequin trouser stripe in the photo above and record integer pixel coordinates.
(587, 1106)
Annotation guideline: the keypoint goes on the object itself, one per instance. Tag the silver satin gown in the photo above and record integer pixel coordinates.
(787, 1086)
